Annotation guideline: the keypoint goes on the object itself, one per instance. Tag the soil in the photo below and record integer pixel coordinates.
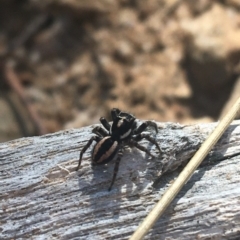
(64, 64)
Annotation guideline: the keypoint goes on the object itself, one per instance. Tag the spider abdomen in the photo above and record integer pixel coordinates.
(104, 151)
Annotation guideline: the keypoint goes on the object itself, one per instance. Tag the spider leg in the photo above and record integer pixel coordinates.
(144, 125)
(105, 123)
(101, 132)
(141, 128)
(142, 148)
(140, 136)
(120, 154)
(114, 113)
(152, 124)
(94, 138)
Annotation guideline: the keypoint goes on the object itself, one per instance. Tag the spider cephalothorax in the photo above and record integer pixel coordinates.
(113, 137)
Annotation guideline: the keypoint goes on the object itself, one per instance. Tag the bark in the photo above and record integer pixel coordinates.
(43, 197)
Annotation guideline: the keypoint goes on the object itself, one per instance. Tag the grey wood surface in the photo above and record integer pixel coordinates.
(43, 197)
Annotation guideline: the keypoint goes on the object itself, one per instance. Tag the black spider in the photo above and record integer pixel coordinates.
(113, 137)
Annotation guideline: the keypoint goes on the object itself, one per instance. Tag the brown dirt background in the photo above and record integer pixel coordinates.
(65, 63)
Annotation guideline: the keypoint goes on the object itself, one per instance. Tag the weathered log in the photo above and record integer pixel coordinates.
(43, 197)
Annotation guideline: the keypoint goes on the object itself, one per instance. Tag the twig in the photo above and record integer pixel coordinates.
(14, 82)
(185, 175)
(32, 28)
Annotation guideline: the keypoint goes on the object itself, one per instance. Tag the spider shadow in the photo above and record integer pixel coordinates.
(153, 164)
(130, 182)
(128, 177)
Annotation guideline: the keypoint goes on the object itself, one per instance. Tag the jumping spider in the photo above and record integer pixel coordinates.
(113, 137)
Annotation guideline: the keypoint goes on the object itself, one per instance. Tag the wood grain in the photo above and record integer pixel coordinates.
(43, 197)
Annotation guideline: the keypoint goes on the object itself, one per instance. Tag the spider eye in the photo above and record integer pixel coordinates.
(123, 121)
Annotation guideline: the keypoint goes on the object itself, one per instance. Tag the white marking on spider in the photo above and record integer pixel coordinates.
(109, 152)
(126, 134)
(120, 123)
